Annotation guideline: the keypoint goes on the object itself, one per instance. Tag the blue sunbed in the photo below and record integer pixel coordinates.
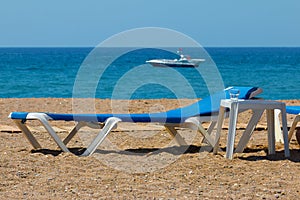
(190, 117)
(293, 110)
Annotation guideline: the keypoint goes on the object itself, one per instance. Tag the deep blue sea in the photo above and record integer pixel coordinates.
(70, 72)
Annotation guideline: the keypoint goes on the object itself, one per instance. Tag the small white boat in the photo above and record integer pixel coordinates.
(184, 61)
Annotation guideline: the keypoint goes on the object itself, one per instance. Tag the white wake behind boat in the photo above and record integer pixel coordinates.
(184, 61)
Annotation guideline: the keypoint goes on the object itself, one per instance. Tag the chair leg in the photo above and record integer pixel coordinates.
(109, 125)
(271, 131)
(78, 126)
(172, 131)
(278, 132)
(285, 131)
(211, 126)
(249, 130)
(194, 122)
(293, 127)
(209, 130)
(53, 134)
(44, 121)
(219, 128)
(231, 130)
(73, 132)
(28, 134)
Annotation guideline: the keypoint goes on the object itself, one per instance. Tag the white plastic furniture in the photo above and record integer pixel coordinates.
(258, 107)
(294, 110)
(191, 116)
(293, 127)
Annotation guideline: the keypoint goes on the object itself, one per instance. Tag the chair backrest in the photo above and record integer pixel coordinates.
(210, 105)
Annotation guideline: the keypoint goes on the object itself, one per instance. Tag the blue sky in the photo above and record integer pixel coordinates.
(209, 22)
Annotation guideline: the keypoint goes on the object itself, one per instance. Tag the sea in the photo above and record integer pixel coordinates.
(117, 73)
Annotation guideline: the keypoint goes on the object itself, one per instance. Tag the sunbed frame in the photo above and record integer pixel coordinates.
(192, 116)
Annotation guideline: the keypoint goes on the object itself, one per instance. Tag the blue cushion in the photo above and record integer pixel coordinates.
(205, 107)
(293, 110)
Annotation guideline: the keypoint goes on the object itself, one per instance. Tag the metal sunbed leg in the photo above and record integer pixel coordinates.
(172, 131)
(249, 130)
(109, 125)
(28, 134)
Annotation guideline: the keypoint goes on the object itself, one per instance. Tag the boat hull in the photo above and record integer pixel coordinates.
(171, 63)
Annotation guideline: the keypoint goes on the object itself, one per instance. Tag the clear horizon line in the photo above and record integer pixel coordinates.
(208, 46)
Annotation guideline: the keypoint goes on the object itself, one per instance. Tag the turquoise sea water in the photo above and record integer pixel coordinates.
(52, 72)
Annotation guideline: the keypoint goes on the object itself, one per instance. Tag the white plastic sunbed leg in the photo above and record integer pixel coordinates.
(78, 126)
(172, 131)
(194, 121)
(232, 130)
(278, 132)
(209, 130)
(73, 132)
(109, 125)
(28, 134)
(249, 130)
(53, 134)
(211, 127)
(285, 131)
(271, 130)
(219, 128)
(293, 127)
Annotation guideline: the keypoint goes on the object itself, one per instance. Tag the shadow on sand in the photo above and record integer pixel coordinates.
(178, 150)
(175, 150)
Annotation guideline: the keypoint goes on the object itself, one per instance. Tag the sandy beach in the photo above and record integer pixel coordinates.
(139, 161)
